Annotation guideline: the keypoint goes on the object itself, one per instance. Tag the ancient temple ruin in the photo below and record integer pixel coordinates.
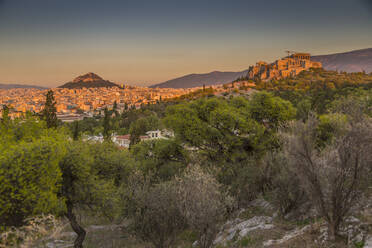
(286, 67)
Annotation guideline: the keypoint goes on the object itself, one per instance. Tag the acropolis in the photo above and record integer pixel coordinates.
(289, 66)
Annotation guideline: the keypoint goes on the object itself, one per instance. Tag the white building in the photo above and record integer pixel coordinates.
(122, 140)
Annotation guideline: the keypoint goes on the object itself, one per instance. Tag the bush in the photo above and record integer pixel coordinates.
(244, 180)
(286, 193)
(156, 217)
(202, 203)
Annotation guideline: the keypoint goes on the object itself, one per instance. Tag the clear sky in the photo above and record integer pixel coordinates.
(141, 42)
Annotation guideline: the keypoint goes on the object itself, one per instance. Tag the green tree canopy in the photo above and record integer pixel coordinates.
(264, 107)
(161, 159)
(29, 172)
(218, 128)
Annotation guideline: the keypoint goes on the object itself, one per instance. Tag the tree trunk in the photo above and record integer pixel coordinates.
(331, 231)
(78, 243)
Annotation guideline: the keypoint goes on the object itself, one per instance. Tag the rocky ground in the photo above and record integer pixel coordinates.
(256, 226)
(259, 226)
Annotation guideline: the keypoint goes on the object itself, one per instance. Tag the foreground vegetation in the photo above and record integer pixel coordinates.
(294, 142)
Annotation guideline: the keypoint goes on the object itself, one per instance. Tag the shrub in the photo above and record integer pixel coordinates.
(286, 195)
(245, 180)
(156, 217)
(202, 203)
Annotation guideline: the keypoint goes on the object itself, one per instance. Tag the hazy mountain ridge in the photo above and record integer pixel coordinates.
(353, 61)
(196, 80)
(89, 80)
(18, 86)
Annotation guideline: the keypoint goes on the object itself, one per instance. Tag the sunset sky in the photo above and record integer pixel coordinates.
(142, 42)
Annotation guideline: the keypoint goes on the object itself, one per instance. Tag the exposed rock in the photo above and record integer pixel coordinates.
(288, 236)
(59, 244)
(354, 230)
(368, 243)
(323, 237)
(239, 228)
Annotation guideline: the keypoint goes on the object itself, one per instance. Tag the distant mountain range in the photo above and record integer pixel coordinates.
(195, 80)
(14, 86)
(354, 61)
(89, 80)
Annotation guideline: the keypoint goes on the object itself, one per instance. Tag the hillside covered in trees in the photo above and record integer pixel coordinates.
(288, 165)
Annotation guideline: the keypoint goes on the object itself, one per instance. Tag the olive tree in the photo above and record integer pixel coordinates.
(282, 183)
(202, 203)
(333, 177)
(154, 211)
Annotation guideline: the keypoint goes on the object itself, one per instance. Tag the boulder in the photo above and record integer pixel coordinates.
(368, 243)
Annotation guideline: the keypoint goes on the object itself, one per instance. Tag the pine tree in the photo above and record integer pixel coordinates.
(49, 113)
(75, 135)
(5, 117)
(115, 109)
(106, 125)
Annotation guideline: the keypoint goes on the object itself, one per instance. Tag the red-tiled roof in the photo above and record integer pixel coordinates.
(127, 136)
